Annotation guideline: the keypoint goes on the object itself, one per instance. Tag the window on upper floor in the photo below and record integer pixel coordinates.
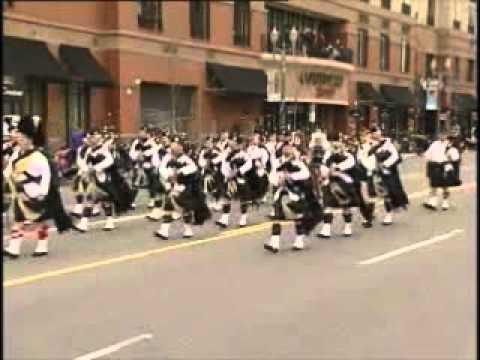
(363, 18)
(406, 7)
(362, 48)
(150, 14)
(470, 72)
(241, 22)
(384, 52)
(200, 19)
(365, 1)
(386, 4)
(404, 56)
(431, 12)
(456, 24)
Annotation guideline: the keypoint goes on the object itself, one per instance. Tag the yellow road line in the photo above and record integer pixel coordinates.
(135, 256)
(140, 255)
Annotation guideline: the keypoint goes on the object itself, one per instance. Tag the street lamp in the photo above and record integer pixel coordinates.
(293, 39)
(274, 36)
(355, 113)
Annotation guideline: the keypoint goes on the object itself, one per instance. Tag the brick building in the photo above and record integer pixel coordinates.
(209, 66)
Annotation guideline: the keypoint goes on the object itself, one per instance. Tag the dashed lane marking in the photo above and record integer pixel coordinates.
(114, 348)
(410, 248)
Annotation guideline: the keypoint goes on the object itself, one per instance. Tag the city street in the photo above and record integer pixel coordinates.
(128, 295)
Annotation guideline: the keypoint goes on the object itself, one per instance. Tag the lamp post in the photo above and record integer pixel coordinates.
(355, 112)
(274, 37)
(293, 41)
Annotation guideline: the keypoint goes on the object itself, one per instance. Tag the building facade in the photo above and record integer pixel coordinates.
(208, 66)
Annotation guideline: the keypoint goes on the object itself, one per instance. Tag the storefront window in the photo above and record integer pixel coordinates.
(78, 107)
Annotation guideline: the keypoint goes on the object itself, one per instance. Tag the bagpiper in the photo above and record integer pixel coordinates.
(338, 188)
(237, 169)
(443, 170)
(184, 193)
(293, 199)
(389, 184)
(35, 193)
(145, 157)
(111, 189)
(83, 183)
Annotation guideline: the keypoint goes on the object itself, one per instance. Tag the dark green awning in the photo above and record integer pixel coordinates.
(23, 58)
(83, 65)
(233, 79)
(463, 102)
(366, 92)
(398, 95)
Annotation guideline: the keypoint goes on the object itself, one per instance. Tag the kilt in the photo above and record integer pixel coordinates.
(191, 199)
(339, 194)
(440, 178)
(435, 174)
(394, 189)
(302, 205)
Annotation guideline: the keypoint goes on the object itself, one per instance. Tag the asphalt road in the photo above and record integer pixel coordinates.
(129, 295)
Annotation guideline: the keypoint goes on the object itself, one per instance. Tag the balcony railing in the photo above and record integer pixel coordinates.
(304, 47)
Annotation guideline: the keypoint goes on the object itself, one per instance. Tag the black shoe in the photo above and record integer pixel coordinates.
(152, 219)
(10, 255)
(163, 237)
(323, 236)
(367, 224)
(294, 248)
(77, 229)
(220, 224)
(429, 207)
(270, 248)
(38, 254)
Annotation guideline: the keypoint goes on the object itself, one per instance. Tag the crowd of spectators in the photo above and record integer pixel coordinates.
(315, 44)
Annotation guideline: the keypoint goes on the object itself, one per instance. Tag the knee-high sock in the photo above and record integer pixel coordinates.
(275, 238)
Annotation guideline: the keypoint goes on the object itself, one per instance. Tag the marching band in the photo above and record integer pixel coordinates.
(304, 183)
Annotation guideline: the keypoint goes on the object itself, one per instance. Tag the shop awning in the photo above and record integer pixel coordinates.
(24, 58)
(398, 95)
(463, 102)
(84, 66)
(233, 79)
(366, 92)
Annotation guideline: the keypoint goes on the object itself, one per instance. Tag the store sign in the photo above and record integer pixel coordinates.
(306, 86)
(8, 87)
(306, 80)
(12, 92)
(320, 79)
